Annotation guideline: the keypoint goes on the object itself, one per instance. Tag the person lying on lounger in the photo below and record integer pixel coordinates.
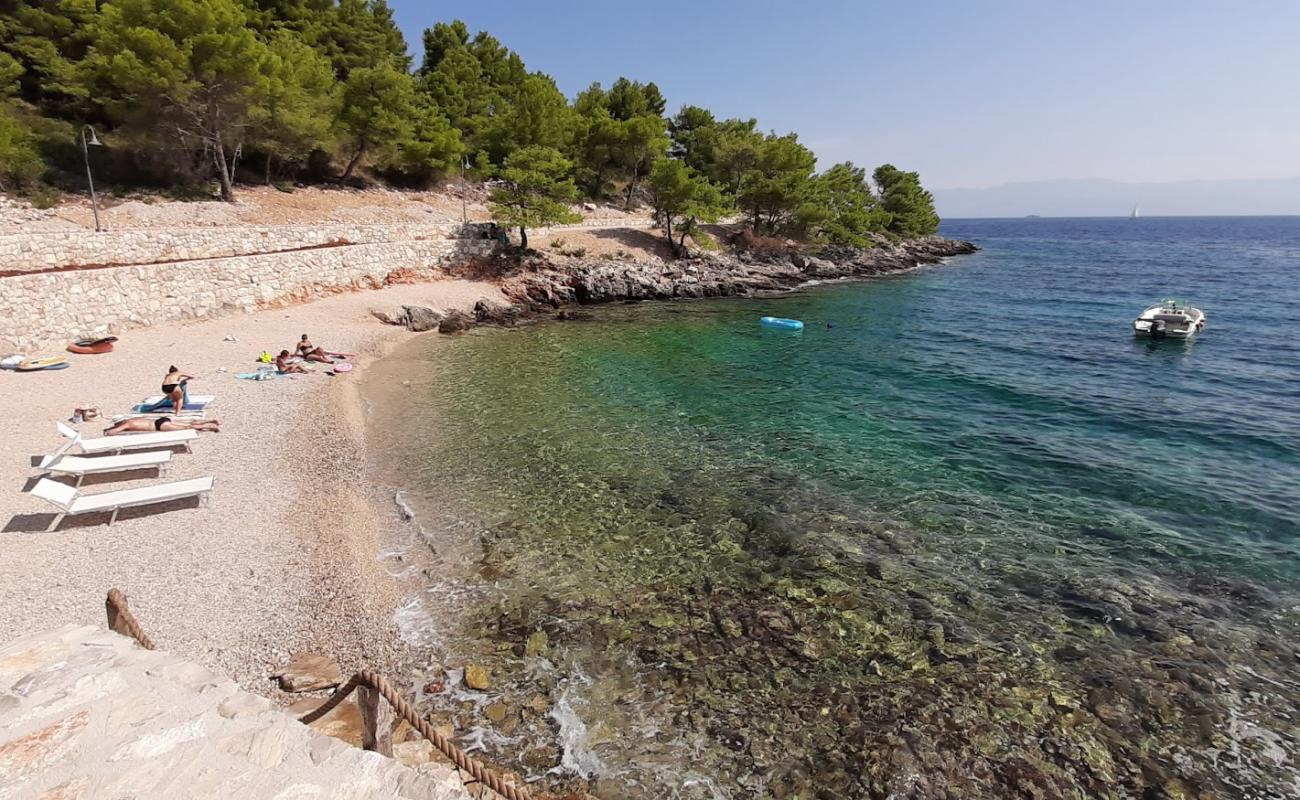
(146, 425)
(173, 387)
(311, 352)
(284, 367)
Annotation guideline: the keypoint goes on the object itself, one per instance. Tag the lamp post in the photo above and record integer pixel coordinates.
(85, 153)
(464, 214)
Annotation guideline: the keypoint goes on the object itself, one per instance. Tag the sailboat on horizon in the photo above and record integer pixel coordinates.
(1135, 214)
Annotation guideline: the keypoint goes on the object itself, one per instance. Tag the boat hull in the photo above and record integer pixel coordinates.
(92, 346)
(1155, 323)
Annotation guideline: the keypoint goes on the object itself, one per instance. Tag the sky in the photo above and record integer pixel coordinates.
(971, 94)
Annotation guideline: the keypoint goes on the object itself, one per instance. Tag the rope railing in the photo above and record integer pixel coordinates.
(375, 735)
(404, 710)
(121, 620)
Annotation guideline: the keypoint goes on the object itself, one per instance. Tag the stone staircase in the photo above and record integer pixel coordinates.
(85, 713)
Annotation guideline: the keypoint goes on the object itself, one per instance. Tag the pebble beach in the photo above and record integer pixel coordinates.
(287, 553)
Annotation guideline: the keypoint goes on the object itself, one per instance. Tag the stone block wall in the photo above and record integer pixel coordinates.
(77, 248)
(45, 311)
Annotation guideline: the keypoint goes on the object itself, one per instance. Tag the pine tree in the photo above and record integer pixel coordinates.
(681, 197)
(180, 69)
(535, 191)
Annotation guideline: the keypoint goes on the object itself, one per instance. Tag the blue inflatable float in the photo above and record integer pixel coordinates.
(784, 324)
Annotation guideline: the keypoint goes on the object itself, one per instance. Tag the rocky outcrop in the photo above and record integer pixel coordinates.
(553, 282)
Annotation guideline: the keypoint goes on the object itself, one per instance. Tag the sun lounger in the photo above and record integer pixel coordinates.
(130, 441)
(60, 463)
(71, 501)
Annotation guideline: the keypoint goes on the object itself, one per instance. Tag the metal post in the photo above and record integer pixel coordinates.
(85, 153)
(464, 214)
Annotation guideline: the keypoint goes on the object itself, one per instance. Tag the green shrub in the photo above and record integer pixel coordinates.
(557, 243)
(704, 241)
(42, 196)
(20, 163)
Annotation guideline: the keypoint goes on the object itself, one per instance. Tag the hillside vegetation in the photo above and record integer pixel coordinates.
(190, 94)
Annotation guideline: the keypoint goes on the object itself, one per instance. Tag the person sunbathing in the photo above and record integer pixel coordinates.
(147, 425)
(173, 387)
(311, 352)
(283, 366)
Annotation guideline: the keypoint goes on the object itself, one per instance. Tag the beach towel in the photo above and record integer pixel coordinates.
(262, 375)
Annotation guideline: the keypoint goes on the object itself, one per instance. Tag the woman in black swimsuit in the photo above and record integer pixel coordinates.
(173, 387)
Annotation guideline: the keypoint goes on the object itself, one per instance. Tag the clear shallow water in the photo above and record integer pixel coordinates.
(973, 539)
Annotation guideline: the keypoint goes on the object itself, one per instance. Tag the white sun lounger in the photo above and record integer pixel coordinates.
(71, 501)
(61, 463)
(129, 441)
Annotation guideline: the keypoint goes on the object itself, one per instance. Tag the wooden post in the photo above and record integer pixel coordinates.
(116, 620)
(377, 720)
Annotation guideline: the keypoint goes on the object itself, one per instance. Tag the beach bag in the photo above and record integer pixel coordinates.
(265, 357)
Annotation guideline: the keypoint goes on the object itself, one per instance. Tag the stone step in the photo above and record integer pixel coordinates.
(86, 713)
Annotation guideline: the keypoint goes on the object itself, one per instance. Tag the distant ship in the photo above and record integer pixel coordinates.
(1135, 214)
(1033, 216)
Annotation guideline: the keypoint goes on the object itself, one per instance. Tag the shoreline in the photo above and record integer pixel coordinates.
(296, 443)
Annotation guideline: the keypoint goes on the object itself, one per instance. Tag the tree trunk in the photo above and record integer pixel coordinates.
(352, 165)
(668, 228)
(268, 169)
(223, 171)
(631, 187)
(523, 238)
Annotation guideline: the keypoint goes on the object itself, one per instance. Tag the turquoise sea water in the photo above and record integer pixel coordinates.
(963, 536)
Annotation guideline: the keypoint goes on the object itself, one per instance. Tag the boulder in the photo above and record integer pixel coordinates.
(487, 313)
(455, 322)
(421, 318)
(389, 316)
(307, 672)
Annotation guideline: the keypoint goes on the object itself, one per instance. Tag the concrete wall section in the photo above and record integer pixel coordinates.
(37, 251)
(47, 310)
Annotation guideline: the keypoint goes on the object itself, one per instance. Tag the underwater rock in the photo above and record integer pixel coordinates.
(476, 677)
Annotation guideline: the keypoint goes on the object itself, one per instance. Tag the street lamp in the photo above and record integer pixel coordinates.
(85, 153)
(464, 214)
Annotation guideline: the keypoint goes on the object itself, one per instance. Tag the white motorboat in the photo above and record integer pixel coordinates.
(1171, 319)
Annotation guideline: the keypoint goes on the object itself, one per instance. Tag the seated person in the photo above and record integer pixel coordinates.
(147, 425)
(311, 352)
(285, 368)
(173, 387)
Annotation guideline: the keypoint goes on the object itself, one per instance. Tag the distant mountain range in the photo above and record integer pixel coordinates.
(1099, 198)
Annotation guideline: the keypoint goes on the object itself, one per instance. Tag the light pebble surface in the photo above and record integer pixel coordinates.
(284, 557)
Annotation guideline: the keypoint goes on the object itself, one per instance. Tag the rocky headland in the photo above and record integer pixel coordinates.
(542, 284)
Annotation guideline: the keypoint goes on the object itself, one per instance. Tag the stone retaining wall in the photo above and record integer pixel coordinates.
(47, 310)
(36, 251)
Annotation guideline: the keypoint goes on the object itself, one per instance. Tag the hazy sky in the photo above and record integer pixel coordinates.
(969, 93)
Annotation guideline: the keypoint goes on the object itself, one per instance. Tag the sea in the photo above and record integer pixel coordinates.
(962, 536)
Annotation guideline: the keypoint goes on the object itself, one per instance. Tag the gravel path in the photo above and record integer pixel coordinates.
(285, 556)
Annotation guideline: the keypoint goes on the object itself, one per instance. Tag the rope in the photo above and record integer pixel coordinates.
(116, 604)
(404, 710)
(119, 612)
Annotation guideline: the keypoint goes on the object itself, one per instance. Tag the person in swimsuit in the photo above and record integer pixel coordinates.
(282, 364)
(311, 352)
(146, 425)
(173, 387)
